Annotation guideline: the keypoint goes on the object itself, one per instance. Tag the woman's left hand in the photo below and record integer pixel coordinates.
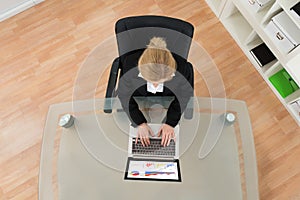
(167, 134)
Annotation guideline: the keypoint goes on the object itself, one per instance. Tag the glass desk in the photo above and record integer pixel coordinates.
(88, 159)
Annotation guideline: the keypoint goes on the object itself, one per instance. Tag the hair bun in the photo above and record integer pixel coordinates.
(157, 42)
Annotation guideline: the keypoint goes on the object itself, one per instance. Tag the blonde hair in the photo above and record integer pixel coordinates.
(157, 63)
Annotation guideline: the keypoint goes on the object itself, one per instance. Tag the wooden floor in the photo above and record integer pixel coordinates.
(42, 49)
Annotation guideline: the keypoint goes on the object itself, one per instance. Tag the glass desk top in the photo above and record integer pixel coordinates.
(88, 159)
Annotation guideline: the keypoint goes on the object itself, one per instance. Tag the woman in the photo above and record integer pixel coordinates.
(155, 71)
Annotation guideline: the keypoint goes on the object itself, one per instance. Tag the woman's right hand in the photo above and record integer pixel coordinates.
(143, 133)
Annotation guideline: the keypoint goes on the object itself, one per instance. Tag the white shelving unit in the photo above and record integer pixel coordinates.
(247, 27)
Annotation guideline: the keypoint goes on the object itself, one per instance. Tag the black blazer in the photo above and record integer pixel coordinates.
(131, 85)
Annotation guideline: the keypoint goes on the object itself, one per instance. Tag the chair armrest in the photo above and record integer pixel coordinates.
(111, 85)
(189, 111)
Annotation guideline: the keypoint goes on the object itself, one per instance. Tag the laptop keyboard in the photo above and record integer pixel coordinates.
(154, 149)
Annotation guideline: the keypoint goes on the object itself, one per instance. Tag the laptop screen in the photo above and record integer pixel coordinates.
(152, 169)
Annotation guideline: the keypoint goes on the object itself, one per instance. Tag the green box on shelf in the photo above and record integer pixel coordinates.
(283, 83)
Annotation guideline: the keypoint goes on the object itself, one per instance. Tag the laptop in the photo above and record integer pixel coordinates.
(154, 162)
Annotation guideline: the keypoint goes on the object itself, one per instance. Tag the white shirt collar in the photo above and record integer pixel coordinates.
(151, 88)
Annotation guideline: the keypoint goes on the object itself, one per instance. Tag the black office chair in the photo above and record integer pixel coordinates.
(135, 32)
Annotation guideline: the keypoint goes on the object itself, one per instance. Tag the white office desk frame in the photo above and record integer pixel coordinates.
(48, 183)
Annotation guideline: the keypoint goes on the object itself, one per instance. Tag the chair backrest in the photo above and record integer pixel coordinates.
(135, 33)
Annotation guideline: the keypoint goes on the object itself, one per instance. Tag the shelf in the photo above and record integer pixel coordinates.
(249, 13)
(247, 27)
(272, 11)
(294, 53)
(272, 68)
(256, 40)
(253, 36)
(286, 5)
(258, 22)
(292, 97)
(292, 67)
(234, 22)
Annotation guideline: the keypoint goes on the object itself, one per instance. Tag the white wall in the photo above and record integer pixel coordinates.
(10, 8)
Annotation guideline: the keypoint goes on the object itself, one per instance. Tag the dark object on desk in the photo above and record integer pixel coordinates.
(152, 170)
(133, 33)
(296, 8)
(262, 54)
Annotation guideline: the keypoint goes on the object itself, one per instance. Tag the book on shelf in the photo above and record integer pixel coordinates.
(262, 54)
